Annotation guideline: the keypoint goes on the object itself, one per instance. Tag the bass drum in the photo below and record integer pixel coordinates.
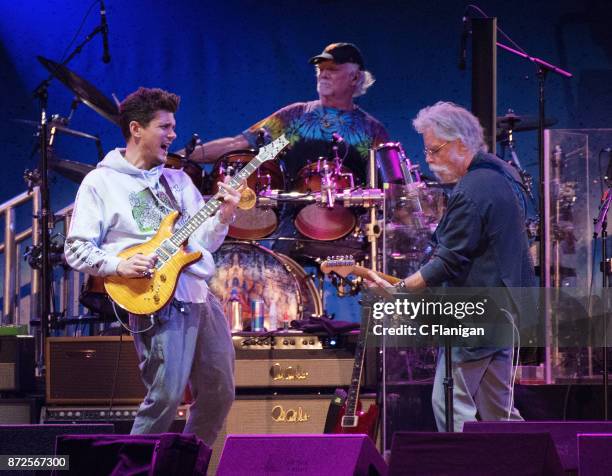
(248, 272)
(175, 161)
(255, 223)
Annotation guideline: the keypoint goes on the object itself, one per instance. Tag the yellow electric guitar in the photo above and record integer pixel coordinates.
(345, 265)
(149, 294)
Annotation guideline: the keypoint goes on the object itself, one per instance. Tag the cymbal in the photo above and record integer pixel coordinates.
(86, 92)
(520, 123)
(59, 127)
(74, 171)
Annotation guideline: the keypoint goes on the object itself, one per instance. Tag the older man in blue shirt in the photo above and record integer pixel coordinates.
(479, 242)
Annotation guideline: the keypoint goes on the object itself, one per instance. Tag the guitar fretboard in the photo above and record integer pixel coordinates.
(181, 235)
(353, 394)
(211, 207)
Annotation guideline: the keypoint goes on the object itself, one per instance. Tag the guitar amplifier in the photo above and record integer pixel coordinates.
(16, 363)
(299, 360)
(121, 416)
(88, 370)
(84, 370)
(273, 415)
(291, 360)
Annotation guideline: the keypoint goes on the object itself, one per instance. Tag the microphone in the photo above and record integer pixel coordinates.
(608, 176)
(105, 55)
(463, 48)
(192, 144)
(337, 138)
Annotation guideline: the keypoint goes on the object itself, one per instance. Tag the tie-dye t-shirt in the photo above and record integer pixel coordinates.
(309, 127)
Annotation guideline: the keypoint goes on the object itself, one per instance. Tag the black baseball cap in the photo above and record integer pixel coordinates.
(340, 53)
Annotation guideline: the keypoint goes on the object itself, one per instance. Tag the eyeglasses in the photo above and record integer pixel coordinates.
(427, 151)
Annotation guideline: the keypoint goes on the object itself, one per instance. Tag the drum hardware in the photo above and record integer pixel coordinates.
(90, 96)
(321, 221)
(514, 123)
(366, 198)
(86, 92)
(192, 144)
(372, 229)
(510, 124)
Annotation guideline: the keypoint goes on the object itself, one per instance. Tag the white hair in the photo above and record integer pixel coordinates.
(448, 121)
(365, 80)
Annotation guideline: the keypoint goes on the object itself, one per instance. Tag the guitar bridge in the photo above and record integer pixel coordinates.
(349, 421)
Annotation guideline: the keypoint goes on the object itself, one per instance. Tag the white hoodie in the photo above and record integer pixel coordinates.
(119, 205)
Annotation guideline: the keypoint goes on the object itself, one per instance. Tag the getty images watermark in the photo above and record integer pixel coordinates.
(459, 316)
(441, 312)
(491, 317)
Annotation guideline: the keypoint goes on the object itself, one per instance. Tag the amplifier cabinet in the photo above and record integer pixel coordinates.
(19, 411)
(275, 414)
(121, 416)
(88, 370)
(17, 363)
(294, 368)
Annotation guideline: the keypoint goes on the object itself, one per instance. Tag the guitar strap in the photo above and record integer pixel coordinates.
(169, 193)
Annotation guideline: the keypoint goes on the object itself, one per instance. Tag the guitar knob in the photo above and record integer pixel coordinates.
(162, 278)
(156, 298)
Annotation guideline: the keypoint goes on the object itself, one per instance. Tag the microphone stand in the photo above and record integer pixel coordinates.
(449, 383)
(600, 226)
(542, 68)
(41, 92)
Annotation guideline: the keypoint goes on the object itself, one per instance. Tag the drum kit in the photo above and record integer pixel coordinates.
(317, 214)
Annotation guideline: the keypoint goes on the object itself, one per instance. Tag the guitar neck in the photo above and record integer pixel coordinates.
(353, 393)
(211, 206)
(364, 273)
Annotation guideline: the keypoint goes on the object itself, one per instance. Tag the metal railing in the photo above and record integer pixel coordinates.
(12, 254)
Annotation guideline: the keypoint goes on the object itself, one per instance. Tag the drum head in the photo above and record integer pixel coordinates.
(252, 272)
(255, 223)
(325, 224)
(319, 222)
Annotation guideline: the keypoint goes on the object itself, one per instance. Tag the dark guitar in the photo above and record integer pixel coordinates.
(351, 419)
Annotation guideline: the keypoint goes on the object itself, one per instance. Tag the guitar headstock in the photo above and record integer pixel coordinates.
(271, 150)
(341, 265)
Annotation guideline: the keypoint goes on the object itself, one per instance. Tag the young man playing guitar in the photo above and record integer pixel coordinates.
(121, 204)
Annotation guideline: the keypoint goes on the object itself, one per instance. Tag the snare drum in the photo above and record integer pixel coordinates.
(319, 222)
(252, 272)
(175, 161)
(255, 223)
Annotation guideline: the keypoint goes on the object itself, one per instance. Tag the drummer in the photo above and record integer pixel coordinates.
(341, 77)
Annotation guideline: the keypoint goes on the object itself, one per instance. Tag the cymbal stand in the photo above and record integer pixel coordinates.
(41, 93)
(526, 178)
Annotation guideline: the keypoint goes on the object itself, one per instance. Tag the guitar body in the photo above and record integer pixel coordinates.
(147, 295)
(366, 422)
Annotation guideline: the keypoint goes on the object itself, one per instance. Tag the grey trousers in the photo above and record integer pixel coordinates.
(481, 391)
(189, 343)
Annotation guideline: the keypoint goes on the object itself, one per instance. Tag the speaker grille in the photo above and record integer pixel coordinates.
(273, 415)
(82, 370)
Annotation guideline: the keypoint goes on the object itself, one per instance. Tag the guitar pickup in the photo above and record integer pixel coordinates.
(349, 421)
(162, 255)
(168, 247)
